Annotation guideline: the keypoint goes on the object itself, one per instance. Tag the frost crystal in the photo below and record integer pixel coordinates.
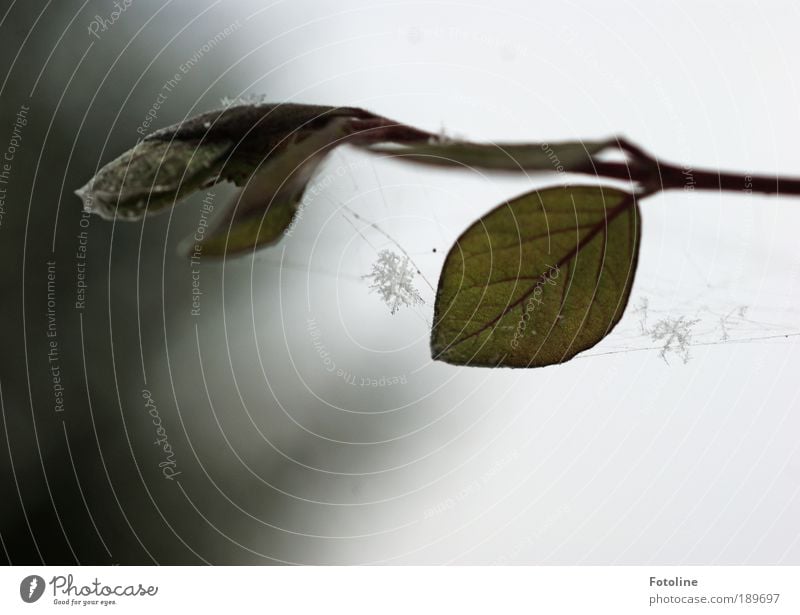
(247, 99)
(393, 278)
(676, 335)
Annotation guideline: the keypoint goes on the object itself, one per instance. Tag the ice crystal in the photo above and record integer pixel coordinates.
(392, 277)
(675, 335)
(247, 99)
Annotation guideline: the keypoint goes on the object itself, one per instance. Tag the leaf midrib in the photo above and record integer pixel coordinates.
(627, 201)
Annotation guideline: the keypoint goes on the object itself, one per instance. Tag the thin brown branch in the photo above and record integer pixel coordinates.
(655, 175)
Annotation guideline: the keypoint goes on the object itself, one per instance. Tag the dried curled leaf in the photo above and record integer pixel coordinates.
(173, 162)
(538, 279)
(152, 176)
(256, 132)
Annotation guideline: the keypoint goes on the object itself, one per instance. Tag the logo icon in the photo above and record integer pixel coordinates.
(31, 588)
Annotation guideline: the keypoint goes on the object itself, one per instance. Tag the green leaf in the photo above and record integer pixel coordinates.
(267, 204)
(558, 157)
(150, 177)
(538, 279)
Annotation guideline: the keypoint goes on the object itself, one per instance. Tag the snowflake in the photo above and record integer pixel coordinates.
(393, 279)
(676, 334)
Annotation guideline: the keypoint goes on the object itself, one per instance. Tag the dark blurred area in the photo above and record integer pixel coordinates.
(75, 485)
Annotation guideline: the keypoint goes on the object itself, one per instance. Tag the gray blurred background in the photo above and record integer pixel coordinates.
(291, 444)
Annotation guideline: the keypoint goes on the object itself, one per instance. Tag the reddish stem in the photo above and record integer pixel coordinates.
(655, 175)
